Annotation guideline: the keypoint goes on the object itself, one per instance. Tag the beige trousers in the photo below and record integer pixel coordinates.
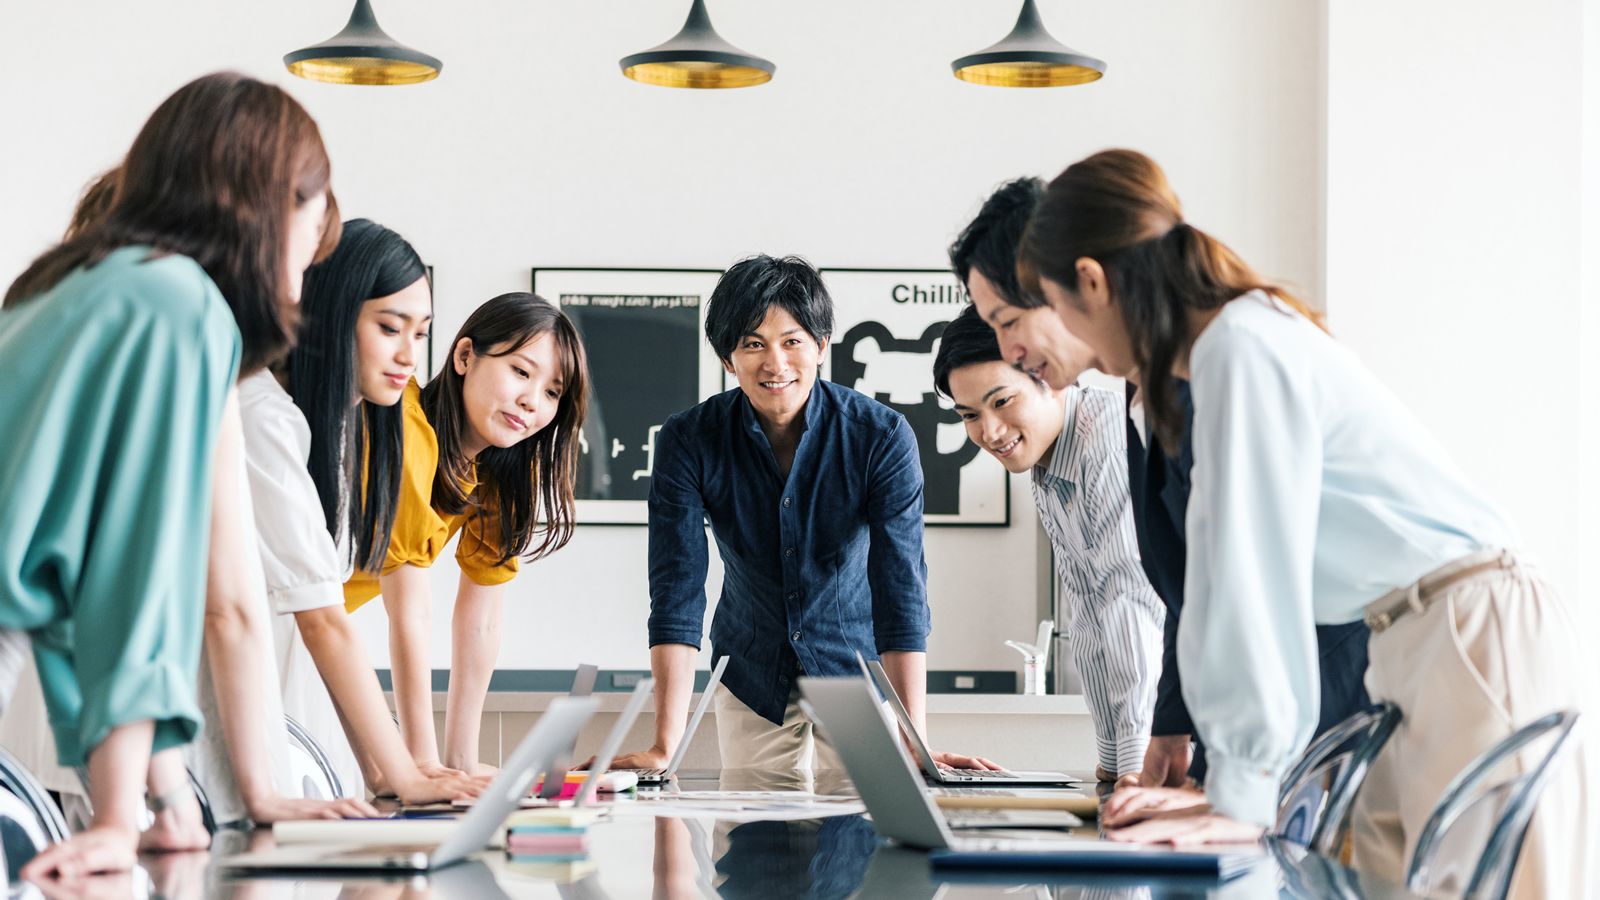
(1488, 654)
(748, 741)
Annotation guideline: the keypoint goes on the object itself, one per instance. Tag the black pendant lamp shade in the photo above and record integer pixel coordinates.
(697, 57)
(363, 54)
(1029, 57)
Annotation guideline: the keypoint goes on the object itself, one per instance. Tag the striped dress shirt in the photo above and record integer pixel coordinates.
(1081, 492)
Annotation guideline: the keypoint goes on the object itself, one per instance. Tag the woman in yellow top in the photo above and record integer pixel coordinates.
(491, 451)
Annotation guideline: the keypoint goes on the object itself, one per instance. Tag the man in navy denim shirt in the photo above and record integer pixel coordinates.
(814, 495)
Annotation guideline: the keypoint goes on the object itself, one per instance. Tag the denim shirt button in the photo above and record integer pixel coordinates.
(795, 636)
(788, 502)
(788, 551)
(792, 595)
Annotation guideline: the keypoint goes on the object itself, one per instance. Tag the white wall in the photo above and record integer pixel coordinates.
(532, 150)
(1454, 257)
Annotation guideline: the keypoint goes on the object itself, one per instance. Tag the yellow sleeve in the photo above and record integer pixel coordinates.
(419, 535)
(478, 555)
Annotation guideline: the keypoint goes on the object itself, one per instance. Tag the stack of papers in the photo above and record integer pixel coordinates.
(741, 806)
(549, 836)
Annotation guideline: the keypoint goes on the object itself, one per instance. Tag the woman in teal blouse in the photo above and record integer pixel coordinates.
(118, 353)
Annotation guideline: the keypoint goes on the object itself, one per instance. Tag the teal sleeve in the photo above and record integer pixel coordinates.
(111, 584)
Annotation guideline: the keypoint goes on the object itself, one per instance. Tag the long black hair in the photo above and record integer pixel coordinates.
(370, 262)
(528, 486)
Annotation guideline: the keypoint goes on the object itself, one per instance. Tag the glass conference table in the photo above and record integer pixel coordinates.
(638, 856)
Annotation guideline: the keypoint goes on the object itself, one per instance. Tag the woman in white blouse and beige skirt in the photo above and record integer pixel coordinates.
(1316, 499)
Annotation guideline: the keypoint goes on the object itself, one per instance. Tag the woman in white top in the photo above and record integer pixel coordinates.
(1316, 498)
(366, 311)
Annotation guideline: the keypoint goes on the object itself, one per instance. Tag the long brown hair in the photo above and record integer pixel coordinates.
(527, 486)
(213, 175)
(93, 204)
(1116, 208)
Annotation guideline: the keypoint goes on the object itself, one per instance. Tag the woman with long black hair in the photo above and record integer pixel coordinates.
(491, 453)
(365, 315)
(1316, 498)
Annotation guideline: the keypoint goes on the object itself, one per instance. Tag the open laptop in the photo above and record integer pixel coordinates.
(648, 777)
(903, 810)
(875, 673)
(613, 741)
(583, 682)
(557, 729)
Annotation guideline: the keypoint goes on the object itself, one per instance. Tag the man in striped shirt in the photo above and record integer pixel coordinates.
(1071, 440)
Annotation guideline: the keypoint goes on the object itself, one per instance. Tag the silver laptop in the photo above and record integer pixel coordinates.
(583, 682)
(875, 673)
(662, 776)
(903, 809)
(556, 729)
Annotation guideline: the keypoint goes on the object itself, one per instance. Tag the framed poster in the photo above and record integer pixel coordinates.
(644, 332)
(886, 331)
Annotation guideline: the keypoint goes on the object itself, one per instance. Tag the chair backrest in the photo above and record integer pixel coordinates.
(1315, 798)
(29, 820)
(207, 817)
(1481, 823)
(310, 766)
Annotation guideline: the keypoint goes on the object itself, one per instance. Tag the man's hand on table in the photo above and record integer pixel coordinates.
(654, 758)
(1166, 763)
(947, 760)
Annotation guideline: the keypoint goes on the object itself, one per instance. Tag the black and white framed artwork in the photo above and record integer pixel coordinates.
(643, 330)
(887, 325)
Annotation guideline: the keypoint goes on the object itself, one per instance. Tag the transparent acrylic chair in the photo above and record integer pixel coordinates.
(29, 820)
(309, 765)
(1314, 801)
(1470, 844)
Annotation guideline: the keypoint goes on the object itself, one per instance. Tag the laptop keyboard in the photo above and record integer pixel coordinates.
(645, 773)
(983, 773)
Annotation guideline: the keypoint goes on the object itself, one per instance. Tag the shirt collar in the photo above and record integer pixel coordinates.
(1061, 454)
(752, 423)
(1136, 414)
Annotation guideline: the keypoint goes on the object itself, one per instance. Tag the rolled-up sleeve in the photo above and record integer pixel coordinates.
(678, 553)
(897, 572)
(1247, 642)
(478, 551)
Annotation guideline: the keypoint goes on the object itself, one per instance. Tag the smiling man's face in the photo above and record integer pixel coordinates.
(776, 364)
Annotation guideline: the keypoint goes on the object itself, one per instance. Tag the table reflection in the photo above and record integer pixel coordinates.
(634, 855)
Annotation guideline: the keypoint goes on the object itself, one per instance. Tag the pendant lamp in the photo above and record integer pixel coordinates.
(1028, 57)
(363, 54)
(697, 57)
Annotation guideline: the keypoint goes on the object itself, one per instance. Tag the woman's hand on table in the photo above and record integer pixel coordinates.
(441, 788)
(288, 809)
(98, 849)
(1134, 804)
(1185, 826)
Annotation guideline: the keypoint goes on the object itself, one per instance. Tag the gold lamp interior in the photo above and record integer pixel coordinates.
(1027, 74)
(693, 74)
(363, 70)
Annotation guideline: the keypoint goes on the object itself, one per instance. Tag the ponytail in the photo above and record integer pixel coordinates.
(1116, 208)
